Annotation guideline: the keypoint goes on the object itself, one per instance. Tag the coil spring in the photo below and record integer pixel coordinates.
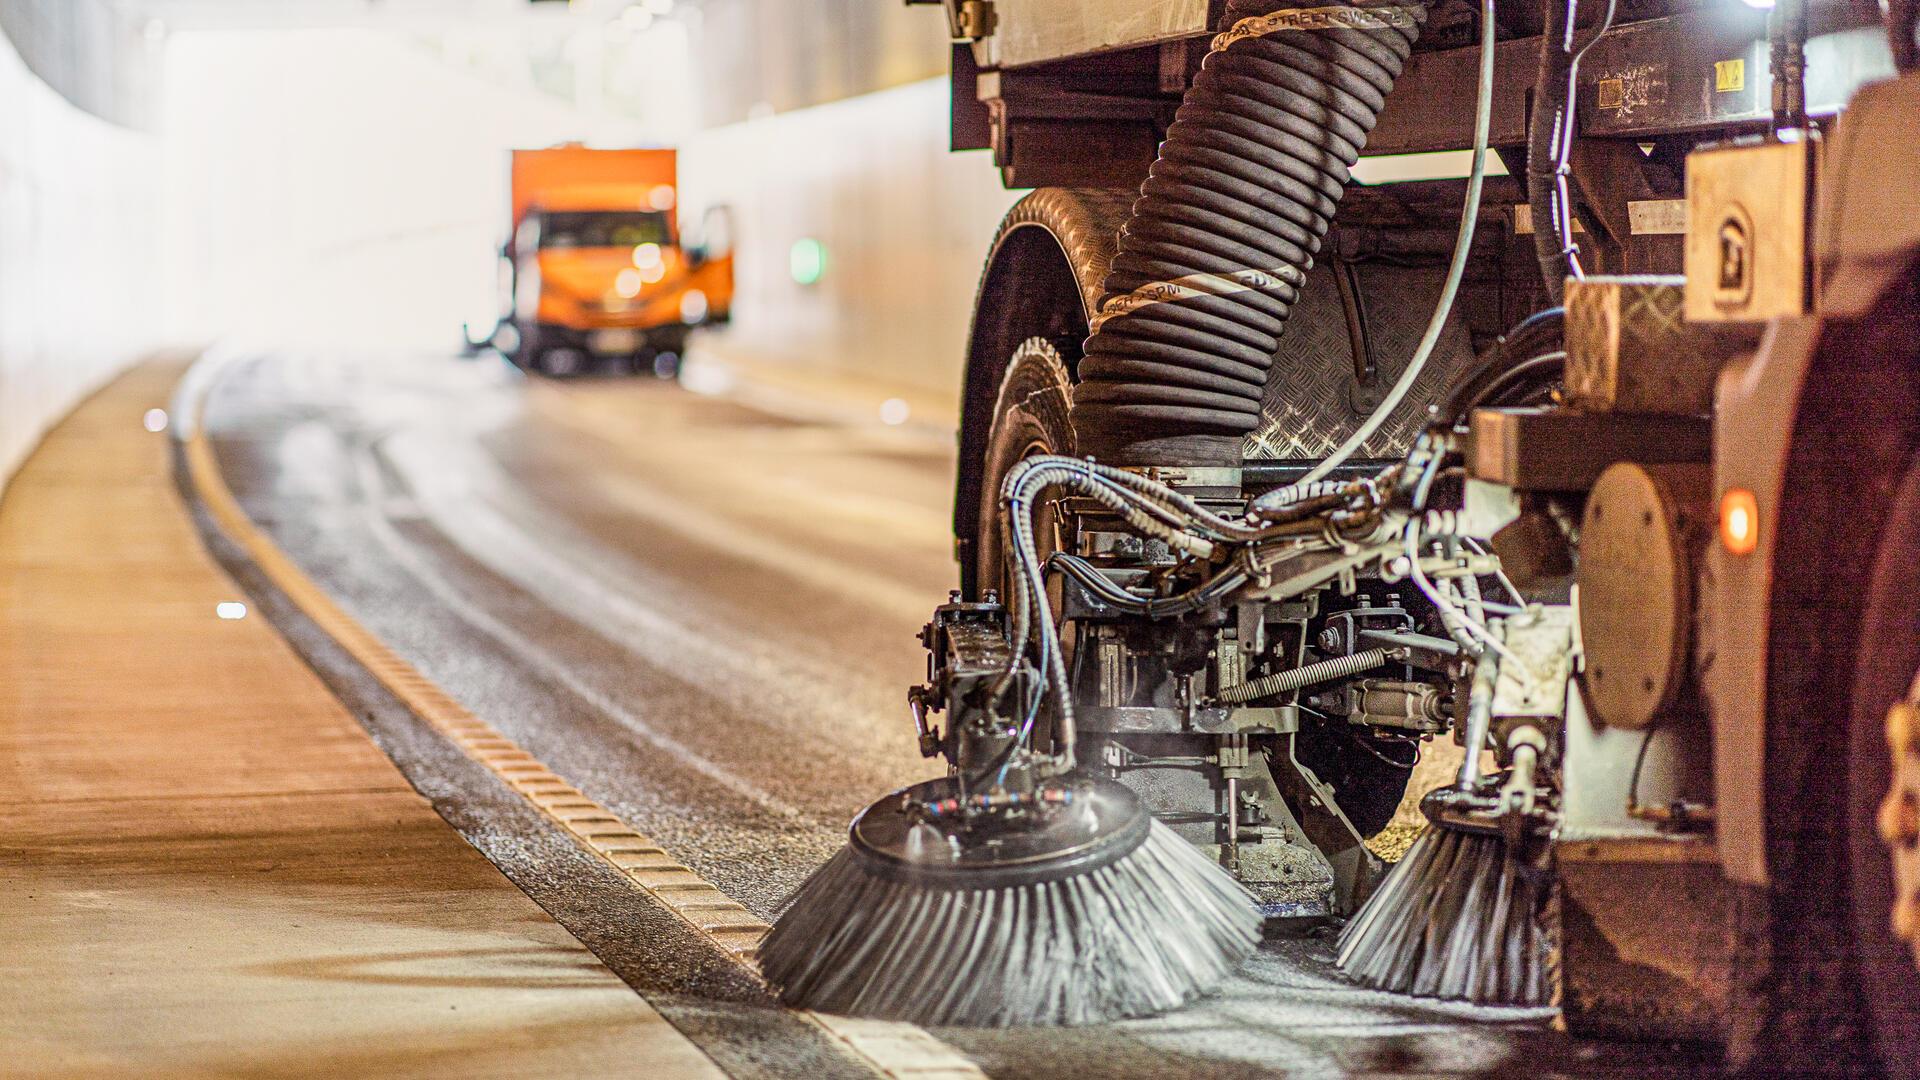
(1325, 670)
(1248, 178)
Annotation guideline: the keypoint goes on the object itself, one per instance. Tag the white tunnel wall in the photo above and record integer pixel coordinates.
(310, 211)
(905, 224)
(342, 190)
(78, 245)
(287, 202)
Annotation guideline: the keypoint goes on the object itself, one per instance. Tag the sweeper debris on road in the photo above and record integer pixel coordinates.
(1287, 478)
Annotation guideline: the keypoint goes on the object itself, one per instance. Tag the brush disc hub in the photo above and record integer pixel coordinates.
(1102, 823)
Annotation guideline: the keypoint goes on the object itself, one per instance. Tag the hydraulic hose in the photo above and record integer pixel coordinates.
(1543, 142)
(1228, 220)
(1549, 162)
(1456, 268)
(1512, 359)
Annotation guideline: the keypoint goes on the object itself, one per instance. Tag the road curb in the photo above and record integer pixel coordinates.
(889, 1049)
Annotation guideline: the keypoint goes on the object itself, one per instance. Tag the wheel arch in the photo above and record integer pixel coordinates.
(1043, 278)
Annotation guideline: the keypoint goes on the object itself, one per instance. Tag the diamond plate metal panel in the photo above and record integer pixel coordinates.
(1312, 401)
(1630, 348)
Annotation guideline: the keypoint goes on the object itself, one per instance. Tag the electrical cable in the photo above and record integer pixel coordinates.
(1500, 391)
(1462, 247)
(1152, 507)
(1207, 592)
(1424, 488)
(1506, 583)
(1147, 505)
(1639, 759)
(1472, 638)
(1365, 744)
(1538, 335)
(1469, 587)
(1563, 149)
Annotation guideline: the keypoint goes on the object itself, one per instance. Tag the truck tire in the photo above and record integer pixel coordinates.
(1043, 280)
(1835, 651)
(666, 350)
(563, 361)
(530, 353)
(1889, 658)
(1030, 417)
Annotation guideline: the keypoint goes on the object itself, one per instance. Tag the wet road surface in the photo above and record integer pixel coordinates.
(702, 614)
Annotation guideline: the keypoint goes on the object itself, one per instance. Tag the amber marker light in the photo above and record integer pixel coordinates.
(1739, 521)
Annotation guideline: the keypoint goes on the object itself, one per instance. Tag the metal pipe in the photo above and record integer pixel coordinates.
(1479, 718)
(1524, 744)
(1233, 823)
(1787, 56)
(1427, 642)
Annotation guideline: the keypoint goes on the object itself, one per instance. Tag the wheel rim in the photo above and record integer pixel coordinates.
(1899, 824)
(1030, 418)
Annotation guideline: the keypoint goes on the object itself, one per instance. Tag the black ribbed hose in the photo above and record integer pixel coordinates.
(1227, 223)
(1543, 140)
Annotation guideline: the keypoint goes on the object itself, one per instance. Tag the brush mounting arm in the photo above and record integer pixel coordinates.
(968, 658)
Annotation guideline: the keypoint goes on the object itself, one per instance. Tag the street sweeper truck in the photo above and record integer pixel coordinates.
(593, 270)
(1499, 416)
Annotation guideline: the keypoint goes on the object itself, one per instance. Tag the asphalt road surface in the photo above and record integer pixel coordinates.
(702, 613)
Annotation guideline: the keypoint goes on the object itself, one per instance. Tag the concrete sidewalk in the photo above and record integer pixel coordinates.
(206, 867)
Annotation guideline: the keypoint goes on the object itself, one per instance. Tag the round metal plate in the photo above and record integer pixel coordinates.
(1104, 822)
(1636, 591)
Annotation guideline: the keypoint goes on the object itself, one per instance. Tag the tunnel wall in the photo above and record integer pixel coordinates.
(77, 253)
(100, 55)
(752, 56)
(307, 211)
(905, 224)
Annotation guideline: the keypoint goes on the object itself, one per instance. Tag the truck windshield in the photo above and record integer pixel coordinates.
(596, 228)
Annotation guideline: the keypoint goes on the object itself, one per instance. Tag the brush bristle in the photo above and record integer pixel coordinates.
(1146, 933)
(1460, 918)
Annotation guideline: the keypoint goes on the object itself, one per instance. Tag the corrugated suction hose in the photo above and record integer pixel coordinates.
(1227, 223)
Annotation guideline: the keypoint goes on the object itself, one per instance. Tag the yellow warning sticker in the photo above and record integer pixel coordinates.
(1729, 75)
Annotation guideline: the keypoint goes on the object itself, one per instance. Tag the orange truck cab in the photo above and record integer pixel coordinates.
(595, 271)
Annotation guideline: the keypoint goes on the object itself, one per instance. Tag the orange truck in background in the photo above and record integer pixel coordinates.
(595, 271)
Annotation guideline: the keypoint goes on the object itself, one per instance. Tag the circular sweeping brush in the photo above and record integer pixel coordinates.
(1072, 906)
(1466, 915)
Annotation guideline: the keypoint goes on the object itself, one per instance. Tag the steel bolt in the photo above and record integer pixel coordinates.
(1906, 918)
(1903, 728)
(1900, 819)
